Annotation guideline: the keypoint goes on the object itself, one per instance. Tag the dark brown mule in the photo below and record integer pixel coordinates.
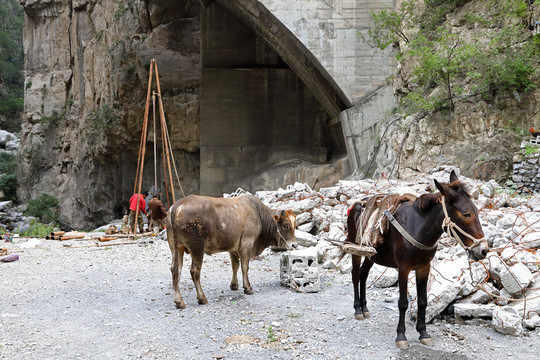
(423, 220)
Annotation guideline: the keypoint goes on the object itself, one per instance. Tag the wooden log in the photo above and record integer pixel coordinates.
(106, 238)
(71, 237)
(58, 233)
(359, 250)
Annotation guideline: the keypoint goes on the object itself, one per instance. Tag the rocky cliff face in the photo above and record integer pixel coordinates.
(480, 136)
(87, 68)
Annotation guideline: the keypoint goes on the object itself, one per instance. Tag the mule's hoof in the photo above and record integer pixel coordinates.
(234, 287)
(180, 305)
(402, 344)
(203, 301)
(427, 341)
(249, 291)
(359, 316)
(366, 315)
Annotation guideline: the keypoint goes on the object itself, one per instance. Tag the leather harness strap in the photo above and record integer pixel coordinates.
(406, 235)
(450, 226)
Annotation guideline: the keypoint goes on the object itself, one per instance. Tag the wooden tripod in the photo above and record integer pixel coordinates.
(166, 146)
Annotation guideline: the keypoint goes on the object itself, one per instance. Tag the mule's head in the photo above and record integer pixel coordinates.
(463, 221)
(285, 221)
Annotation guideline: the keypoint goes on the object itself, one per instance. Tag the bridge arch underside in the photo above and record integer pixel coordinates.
(256, 111)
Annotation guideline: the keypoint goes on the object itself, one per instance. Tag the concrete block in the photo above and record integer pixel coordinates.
(507, 321)
(466, 312)
(481, 297)
(516, 278)
(305, 239)
(299, 270)
(382, 277)
(532, 323)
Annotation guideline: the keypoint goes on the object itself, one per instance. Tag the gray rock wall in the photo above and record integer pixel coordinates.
(526, 169)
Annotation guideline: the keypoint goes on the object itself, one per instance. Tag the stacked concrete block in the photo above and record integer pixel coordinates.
(299, 270)
(516, 278)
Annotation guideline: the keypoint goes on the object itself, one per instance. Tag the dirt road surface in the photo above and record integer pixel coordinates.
(116, 302)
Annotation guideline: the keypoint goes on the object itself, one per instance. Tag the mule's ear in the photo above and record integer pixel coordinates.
(276, 217)
(439, 186)
(453, 176)
(445, 190)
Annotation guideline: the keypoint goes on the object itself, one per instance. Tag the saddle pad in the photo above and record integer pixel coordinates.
(373, 226)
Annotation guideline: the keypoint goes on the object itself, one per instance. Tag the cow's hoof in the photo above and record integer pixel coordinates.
(180, 304)
(203, 301)
(234, 287)
(402, 344)
(427, 341)
(249, 291)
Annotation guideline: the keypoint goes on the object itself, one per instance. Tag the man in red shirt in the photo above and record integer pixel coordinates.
(133, 210)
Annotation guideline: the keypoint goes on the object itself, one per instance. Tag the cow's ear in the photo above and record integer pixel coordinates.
(276, 217)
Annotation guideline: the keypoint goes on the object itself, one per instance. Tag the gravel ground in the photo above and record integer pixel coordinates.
(116, 302)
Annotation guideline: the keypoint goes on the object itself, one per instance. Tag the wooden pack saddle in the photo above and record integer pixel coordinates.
(372, 226)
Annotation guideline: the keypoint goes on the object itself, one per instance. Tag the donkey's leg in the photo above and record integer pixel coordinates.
(356, 262)
(364, 272)
(403, 303)
(176, 271)
(196, 265)
(235, 264)
(422, 276)
(244, 257)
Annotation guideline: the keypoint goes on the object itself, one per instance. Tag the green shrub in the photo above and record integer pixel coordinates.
(8, 185)
(8, 163)
(36, 229)
(54, 119)
(45, 208)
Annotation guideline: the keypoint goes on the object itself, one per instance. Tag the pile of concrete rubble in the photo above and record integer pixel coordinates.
(503, 289)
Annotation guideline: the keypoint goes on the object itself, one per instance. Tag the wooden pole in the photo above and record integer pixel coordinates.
(146, 116)
(174, 164)
(143, 143)
(162, 115)
(155, 140)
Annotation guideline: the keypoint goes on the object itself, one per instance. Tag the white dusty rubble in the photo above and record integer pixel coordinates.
(503, 289)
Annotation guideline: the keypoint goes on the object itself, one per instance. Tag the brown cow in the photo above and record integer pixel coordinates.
(242, 225)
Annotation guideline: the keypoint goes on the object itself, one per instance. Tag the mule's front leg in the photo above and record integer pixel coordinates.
(403, 303)
(422, 276)
(235, 265)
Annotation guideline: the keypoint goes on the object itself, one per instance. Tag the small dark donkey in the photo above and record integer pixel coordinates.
(423, 220)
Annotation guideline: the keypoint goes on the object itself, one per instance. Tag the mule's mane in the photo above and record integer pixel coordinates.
(427, 201)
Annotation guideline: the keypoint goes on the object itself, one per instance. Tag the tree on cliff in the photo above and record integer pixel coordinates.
(11, 65)
(499, 57)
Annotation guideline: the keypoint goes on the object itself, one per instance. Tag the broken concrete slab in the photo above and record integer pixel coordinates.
(507, 321)
(466, 312)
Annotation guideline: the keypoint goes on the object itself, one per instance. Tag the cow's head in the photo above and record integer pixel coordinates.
(285, 221)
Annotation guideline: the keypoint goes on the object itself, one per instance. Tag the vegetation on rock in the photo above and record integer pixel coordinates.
(8, 179)
(498, 57)
(45, 208)
(11, 65)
